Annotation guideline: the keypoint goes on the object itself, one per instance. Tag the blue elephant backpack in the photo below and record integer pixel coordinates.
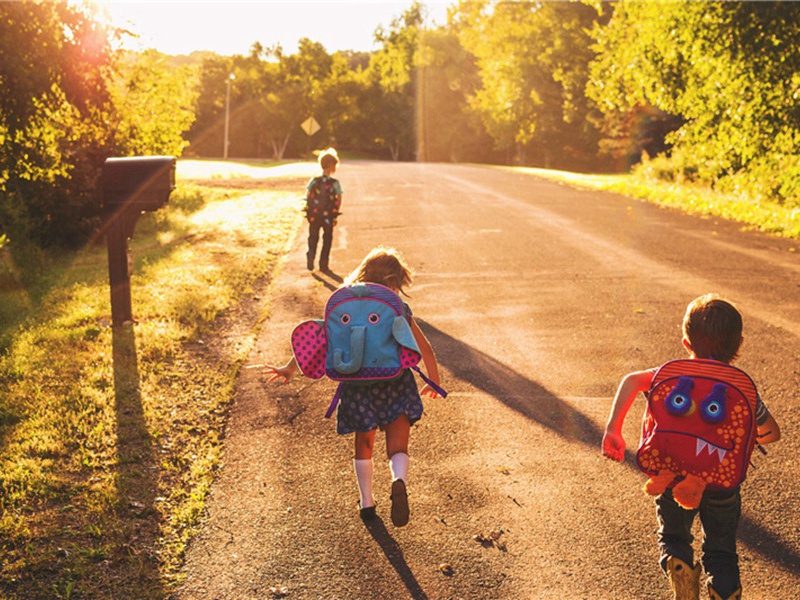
(364, 337)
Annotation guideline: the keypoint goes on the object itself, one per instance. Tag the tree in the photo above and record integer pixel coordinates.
(394, 73)
(54, 63)
(533, 62)
(154, 105)
(728, 70)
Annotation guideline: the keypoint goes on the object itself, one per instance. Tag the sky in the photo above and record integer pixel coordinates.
(227, 28)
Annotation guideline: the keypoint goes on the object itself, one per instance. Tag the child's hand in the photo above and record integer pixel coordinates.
(614, 446)
(287, 372)
(427, 390)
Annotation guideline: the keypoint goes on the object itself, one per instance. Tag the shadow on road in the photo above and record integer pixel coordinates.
(394, 554)
(537, 403)
(511, 388)
(333, 281)
(766, 543)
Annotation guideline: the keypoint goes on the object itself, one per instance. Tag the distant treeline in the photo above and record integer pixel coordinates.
(705, 92)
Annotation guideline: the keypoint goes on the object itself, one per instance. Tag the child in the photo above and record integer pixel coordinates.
(712, 329)
(391, 405)
(323, 205)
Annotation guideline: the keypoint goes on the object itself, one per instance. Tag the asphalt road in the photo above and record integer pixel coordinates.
(538, 298)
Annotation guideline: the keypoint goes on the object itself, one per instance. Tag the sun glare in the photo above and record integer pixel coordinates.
(183, 26)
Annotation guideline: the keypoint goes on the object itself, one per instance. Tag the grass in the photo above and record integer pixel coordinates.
(768, 217)
(110, 437)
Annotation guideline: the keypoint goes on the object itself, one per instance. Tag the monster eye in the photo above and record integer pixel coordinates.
(344, 319)
(374, 318)
(678, 401)
(712, 408)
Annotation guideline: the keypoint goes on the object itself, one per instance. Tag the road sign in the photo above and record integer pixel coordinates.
(310, 126)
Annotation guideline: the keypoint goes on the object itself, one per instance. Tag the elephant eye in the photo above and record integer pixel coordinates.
(345, 319)
(374, 318)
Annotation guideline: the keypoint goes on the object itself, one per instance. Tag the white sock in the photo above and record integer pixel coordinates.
(363, 467)
(398, 464)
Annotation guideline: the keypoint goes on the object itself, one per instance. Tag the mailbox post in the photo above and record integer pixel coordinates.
(131, 186)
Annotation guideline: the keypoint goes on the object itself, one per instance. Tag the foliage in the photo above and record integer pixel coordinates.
(154, 105)
(729, 70)
(533, 61)
(70, 101)
(54, 58)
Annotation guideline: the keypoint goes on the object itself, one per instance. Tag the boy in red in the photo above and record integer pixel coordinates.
(712, 329)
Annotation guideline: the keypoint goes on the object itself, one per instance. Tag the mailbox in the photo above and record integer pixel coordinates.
(141, 183)
(131, 186)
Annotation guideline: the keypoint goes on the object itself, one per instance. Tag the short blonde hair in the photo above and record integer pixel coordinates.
(328, 158)
(385, 266)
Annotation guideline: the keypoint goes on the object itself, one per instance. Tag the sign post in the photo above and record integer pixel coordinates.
(310, 126)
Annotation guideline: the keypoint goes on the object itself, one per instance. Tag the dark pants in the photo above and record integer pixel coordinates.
(719, 515)
(327, 242)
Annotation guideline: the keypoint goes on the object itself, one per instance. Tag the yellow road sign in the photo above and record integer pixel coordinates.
(310, 126)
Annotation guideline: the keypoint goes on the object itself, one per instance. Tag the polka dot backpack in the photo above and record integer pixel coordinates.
(365, 337)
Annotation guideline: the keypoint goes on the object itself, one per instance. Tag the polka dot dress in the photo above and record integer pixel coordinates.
(364, 407)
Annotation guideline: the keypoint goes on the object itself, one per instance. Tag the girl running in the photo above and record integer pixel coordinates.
(390, 405)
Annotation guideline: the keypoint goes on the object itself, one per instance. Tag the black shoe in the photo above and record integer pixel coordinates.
(399, 503)
(366, 514)
(310, 262)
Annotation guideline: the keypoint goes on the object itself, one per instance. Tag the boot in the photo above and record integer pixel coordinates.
(712, 593)
(684, 580)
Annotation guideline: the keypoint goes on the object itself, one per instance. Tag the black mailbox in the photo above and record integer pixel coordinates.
(141, 183)
(131, 186)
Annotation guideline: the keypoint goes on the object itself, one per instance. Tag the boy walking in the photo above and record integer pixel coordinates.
(712, 330)
(323, 204)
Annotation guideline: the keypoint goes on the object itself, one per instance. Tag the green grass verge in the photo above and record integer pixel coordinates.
(110, 437)
(763, 216)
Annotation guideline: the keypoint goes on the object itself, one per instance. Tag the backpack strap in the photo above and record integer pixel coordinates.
(439, 390)
(334, 401)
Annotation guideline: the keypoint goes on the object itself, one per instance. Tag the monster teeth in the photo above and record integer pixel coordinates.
(710, 448)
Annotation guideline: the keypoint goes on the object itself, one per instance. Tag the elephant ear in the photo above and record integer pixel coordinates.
(310, 346)
(409, 351)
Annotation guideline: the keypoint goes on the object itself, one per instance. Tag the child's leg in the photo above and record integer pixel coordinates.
(313, 239)
(674, 530)
(719, 514)
(327, 242)
(365, 441)
(397, 434)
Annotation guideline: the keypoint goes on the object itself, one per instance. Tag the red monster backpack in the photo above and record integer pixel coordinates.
(699, 429)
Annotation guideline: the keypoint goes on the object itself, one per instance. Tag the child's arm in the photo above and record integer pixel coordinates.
(768, 432)
(287, 371)
(629, 388)
(428, 358)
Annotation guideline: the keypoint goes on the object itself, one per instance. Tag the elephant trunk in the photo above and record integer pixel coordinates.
(357, 340)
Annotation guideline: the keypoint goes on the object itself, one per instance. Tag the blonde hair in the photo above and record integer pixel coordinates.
(385, 266)
(328, 158)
